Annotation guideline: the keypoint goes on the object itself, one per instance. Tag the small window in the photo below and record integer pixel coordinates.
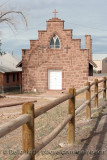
(7, 78)
(13, 77)
(18, 77)
(55, 43)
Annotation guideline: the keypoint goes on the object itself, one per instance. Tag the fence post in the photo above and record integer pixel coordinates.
(71, 124)
(88, 107)
(28, 130)
(96, 92)
(104, 86)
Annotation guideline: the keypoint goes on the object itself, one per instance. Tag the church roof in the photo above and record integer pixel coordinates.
(8, 63)
(55, 19)
(4, 69)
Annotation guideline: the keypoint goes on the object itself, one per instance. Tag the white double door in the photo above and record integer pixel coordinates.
(54, 79)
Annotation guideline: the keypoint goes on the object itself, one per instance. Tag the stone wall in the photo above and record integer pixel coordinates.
(74, 64)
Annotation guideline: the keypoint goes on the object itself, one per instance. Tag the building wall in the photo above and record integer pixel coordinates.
(11, 85)
(104, 65)
(74, 64)
(88, 45)
(1, 82)
(11, 82)
(1, 79)
(90, 70)
(99, 65)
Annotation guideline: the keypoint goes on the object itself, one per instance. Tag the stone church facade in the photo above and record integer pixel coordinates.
(56, 61)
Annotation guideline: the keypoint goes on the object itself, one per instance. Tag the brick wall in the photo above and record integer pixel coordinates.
(88, 45)
(11, 82)
(11, 85)
(74, 64)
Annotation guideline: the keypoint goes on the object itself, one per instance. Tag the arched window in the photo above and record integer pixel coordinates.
(55, 43)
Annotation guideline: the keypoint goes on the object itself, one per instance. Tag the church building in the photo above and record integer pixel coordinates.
(56, 61)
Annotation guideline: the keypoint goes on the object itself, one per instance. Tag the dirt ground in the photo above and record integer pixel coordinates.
(91, 136)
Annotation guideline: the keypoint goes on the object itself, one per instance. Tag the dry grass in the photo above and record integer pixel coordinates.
(44, 124)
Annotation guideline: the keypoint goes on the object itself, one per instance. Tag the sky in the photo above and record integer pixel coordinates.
(85, 17)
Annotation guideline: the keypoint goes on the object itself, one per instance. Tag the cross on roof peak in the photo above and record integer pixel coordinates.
(55, 12)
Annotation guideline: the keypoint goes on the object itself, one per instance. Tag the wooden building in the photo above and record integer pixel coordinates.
(10, 76)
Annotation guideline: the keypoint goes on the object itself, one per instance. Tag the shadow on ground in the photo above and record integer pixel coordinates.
(99, 149)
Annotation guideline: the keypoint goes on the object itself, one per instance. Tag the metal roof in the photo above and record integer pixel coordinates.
(8, 63)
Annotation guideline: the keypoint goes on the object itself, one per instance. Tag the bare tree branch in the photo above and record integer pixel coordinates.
(10, 26)
(4, 3)
(7, 17)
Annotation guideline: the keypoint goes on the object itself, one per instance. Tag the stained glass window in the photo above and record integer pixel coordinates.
(55, 42)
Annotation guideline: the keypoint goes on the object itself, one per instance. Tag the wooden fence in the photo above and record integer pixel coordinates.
(26, 120)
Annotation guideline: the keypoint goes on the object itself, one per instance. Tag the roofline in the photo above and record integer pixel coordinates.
(18, 64)
(9, 72)
(104, 58)
(12, 71)
(92, 63)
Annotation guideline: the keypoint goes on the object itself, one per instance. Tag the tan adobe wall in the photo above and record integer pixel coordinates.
(99, 65)
(104, 65)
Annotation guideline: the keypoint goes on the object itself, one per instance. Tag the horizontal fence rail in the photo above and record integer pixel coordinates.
(25, 156)
(13, 124)
(100, 81)
(93, 96)
(101, 90)
(81, 107)
(26, 120)
(91, 84)
(42, 143)
(52, 135)
(49, 106)
(81, 90)
(15, 104)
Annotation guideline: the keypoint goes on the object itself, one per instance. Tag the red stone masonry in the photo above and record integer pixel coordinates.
(74, 64)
